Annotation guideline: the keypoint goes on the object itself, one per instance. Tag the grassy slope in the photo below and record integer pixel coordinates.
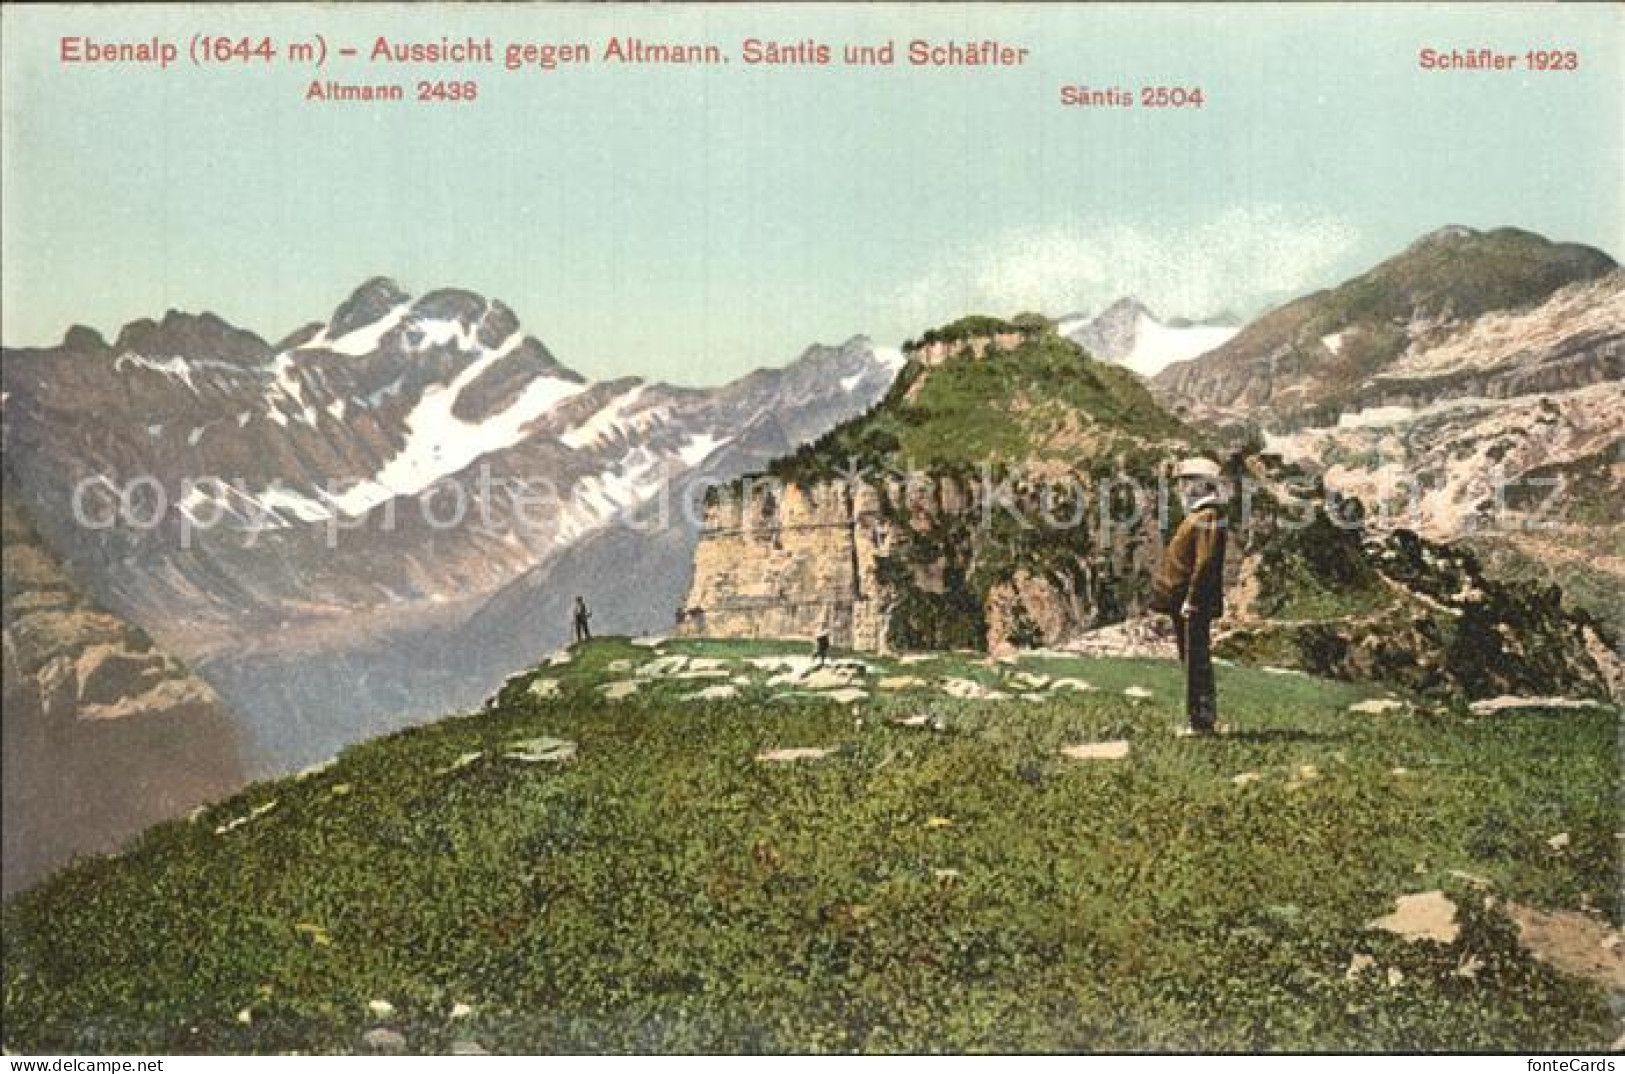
(1005, 408)
(666, 892)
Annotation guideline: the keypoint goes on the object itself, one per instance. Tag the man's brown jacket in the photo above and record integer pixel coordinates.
(1192, 567)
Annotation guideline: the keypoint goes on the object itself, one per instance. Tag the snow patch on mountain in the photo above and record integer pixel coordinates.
(615, 417)
(439, 444)
(208, 503)
(890, 358)
(428, 332)
(286, 383)
(361, 341)
(176, 367)
(1157, 345)
(1128, 333)
(698, 448)
(278, 498)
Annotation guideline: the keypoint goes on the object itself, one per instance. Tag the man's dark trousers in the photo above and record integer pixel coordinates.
(1195, 639)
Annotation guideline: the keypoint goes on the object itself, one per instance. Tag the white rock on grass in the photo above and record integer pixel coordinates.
(540, 750)
(902, 682)
(1579, 944)
(663, 667)
(1078, 685)
(713, 693)
(1427, 915)
(798, 665)
(833, 677)
(461, 1010)
(252, 815)
(559, 659)
(1280, 671)
(919, 719)
(1244, 778)
(1138, 693)
(463, 761)
(387, 1041)
(971, 690)
(615, 691)
(652, 642)
(316, 769)
(795, 753)
(544, 688)
(1560, 841)
(1490, 706)
(1114, 750)
(381, 1008)
(468, 1047)
(1376, 706)
(1047, 654)
(915, 658)
(618, 667)
(1305, 774)
(1027, 680)
(1358, 965)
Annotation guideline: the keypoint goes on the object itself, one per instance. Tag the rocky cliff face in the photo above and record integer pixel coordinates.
(1342, 601)
(900, 565)
(103, 733)
(1367, 342)
(949, 556)
(788, 561)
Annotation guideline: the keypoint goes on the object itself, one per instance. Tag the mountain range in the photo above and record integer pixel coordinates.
(1467, 388)
(378, 518)
(1403, 333)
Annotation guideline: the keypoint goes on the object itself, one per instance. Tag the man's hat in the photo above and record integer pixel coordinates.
(1198, 468)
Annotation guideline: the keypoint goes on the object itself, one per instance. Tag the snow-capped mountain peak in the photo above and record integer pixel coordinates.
(1129, 333)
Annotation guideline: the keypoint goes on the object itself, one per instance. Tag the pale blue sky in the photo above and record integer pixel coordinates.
(692, 224)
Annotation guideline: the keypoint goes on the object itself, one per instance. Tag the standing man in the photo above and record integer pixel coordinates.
(821, 656)
(582, 631)
(1189, 585)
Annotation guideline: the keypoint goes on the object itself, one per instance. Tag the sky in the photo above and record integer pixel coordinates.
(690, 224)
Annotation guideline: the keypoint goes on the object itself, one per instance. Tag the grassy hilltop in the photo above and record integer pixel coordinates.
(602, 860)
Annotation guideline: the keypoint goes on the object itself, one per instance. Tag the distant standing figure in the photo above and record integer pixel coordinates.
(583, 632)
(822, 655)
(1189, 586)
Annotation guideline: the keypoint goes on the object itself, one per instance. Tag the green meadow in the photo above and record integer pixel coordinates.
(589, 866)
